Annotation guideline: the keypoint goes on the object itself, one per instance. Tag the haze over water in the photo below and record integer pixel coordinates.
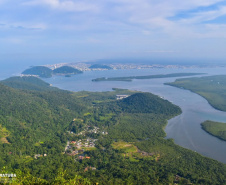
(185, 129)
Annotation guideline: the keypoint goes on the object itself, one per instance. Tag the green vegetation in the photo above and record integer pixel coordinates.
(148, 103)
(212, 88)
(215, 128)
(28, 83)
(40, 71)
(36, 126)
(130, 78)
(45, 72)
(66, 70)
(100, 66)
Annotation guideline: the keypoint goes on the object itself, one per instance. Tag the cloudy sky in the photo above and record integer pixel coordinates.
(71, 30)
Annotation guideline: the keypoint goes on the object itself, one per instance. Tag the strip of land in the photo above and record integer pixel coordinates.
(130, 78)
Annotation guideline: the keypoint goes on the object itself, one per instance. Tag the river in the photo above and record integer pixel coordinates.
(185, 129)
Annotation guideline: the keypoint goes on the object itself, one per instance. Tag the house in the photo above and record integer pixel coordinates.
(119, 97)
(89, 168)
(37, 155)
(80, 157)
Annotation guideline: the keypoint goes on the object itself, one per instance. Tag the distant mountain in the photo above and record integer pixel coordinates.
(66, 70)
(100, 66)
(40, 71)
(28, 83)
(148, 103)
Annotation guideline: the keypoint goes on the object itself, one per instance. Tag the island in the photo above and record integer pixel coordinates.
(130, 78)
(52, 136)
(45, 72)
(41, 71)
(100, 66)
(66, 70)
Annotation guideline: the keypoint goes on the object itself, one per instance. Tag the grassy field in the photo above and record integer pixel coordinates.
(3, 134)
(212, 88)
(215, 128)
(129, 150)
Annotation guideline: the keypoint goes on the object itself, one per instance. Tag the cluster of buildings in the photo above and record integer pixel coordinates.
(89, 142)
(78, 147)
(121, 96)
(84, 66)
(36, 156)
(94, 130)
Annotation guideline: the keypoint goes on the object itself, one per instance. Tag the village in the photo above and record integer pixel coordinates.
(80, 146)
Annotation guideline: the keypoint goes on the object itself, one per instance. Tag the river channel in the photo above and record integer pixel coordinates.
(185, 129)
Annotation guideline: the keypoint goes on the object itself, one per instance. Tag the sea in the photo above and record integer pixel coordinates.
(184, 129)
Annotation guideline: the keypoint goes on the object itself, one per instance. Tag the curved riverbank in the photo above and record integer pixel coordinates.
(216, 129)
(185, 129)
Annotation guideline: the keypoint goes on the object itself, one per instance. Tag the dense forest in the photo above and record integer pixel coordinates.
(28, 83)
(42, 127)
(212, 88)
(45, 72)
(100, 66)
(215, 128)
(66, 70)
(40, 71)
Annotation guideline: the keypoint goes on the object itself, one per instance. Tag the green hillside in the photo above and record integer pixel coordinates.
(148, 103)
(66, 70)
(33, 117)
(40, 71)
(28, 83)
(121, 141)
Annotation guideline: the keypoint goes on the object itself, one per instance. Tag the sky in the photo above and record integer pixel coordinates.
(51, 31)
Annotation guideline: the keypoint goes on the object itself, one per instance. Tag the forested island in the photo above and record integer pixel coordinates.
(45, 72)
(130, 78)
(100, 66)
(52, 136)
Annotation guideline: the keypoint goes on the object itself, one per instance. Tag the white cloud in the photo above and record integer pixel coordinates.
(22, 25)
(153, 16)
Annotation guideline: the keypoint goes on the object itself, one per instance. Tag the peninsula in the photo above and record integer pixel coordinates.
(216, 129)
(212, 88)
